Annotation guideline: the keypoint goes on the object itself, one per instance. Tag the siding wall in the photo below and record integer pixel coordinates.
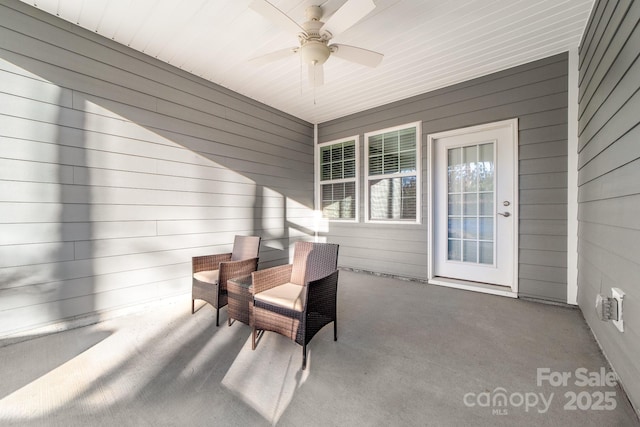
(609, 179)
(536, 94)
(116, 169)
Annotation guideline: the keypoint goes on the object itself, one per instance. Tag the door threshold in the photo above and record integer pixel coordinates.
(466, 285)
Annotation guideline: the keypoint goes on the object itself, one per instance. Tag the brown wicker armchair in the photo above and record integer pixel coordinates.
(297, 300)
(211, 272)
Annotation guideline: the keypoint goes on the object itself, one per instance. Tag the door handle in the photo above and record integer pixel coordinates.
(504, 214)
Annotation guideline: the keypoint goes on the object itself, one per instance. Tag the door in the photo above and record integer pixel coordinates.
(474, 206)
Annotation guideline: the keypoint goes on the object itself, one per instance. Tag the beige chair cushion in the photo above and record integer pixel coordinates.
(289, 296)
(245, 247)
(301, 253)
(210, 276)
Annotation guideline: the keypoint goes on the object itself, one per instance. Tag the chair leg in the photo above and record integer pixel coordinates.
(304, 357)
(217, 316)
(253, 338)
(193, 306)
(335, 330)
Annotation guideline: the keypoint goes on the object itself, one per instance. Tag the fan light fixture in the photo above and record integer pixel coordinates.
(314, 52)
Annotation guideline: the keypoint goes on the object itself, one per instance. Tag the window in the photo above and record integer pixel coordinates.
(392, 183)
(338, 183)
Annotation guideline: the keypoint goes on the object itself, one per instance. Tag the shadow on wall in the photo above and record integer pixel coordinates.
(48, 275)
(75, 297)
(144, 183)
(240, 183)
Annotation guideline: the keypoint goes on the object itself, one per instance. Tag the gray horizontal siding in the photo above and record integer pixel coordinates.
(116, 169)
(360, 249)
(609, 179)
(536, 94)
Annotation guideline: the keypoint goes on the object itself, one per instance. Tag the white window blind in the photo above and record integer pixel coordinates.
(338, 164)
(392, 174)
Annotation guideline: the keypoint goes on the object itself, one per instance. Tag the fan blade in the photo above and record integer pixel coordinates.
(274, 56)
(350, 13)
(275, 15)
(316, 75)
(356, 54)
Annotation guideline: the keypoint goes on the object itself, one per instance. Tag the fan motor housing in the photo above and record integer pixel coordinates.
(314, 49)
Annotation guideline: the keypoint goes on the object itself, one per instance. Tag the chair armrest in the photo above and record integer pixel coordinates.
(271, 277)
(322, 294)
(232, 269)
(208, 262)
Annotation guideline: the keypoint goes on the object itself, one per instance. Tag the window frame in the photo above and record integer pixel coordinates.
(356, 179)
(418, 175)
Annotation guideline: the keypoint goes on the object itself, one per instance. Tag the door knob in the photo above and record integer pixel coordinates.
(504, 214)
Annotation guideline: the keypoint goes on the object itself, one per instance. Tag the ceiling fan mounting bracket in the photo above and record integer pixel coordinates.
(314, 13)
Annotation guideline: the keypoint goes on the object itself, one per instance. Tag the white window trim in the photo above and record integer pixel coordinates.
(318, 181)
(418, 174)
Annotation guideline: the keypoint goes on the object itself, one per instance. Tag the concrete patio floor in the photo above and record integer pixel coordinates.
(407, 354)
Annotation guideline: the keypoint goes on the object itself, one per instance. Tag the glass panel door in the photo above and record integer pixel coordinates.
(474, 215)
(471, 201)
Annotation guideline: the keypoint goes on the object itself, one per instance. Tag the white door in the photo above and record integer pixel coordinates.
(474, 205)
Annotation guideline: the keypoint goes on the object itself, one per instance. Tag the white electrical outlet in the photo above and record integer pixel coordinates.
(618, 296)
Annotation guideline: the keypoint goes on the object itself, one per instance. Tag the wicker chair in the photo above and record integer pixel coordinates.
(297, 300)
(211, 272)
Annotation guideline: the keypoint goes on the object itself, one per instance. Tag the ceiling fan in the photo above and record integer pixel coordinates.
(314, 36)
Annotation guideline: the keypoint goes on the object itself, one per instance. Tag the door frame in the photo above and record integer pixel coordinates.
(512, 125)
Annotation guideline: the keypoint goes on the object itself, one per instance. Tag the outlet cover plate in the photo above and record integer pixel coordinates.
(618, 295)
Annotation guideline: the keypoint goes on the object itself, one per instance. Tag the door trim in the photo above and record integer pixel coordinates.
(512, 124)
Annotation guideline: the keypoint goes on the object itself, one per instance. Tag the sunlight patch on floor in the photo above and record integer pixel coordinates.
(267, 379)
(103, 374)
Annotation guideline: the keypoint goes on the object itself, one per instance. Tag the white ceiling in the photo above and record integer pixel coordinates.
(428, 44)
